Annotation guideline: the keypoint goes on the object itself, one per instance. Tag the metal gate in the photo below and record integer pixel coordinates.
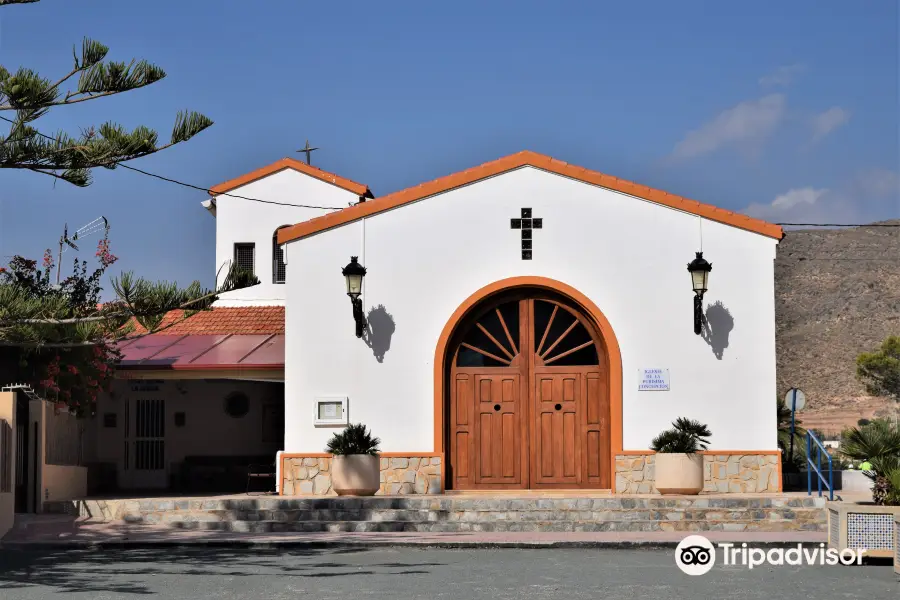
(145, 447)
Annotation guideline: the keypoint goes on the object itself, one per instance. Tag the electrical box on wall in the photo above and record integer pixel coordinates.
(330, 411)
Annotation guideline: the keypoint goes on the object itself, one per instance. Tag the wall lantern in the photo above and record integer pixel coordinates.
(699, 270)
(354, 273)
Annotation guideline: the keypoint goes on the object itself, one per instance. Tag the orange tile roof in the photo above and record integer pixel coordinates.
(243, 320)
(359, 189)
(515, 161)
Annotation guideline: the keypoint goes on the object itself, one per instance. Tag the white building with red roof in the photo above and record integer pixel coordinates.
(201, 399)
(524, 324)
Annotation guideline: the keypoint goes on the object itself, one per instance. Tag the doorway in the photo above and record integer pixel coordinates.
(24, 475)
(144, 458)
(528, 385)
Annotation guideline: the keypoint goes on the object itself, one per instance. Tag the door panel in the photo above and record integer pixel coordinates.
(556, 435)
(498, 432)
(596, 430)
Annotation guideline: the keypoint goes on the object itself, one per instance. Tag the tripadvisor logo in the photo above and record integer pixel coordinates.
(696, 555)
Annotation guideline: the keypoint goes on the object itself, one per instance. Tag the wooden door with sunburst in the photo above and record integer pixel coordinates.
(529, 403)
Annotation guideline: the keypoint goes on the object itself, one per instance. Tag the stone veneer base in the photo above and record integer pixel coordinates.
(722, 473)
(635, 474)
(413, 474)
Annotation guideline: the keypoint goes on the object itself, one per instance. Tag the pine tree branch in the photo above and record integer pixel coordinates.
(119, 315)
(146, 303)
(35, 170)
(95, 342)
(107, 147)
(67, 100)
(67, 77)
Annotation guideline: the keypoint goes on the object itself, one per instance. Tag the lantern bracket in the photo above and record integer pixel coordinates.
(698, 313)
(359, 316)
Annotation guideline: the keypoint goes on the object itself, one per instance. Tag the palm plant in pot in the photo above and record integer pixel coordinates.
(679, 469)
(355, 461)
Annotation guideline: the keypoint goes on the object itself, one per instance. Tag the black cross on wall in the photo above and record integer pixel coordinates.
(527, 224)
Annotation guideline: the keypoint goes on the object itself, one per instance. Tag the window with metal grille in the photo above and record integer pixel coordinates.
(244, 257)
(279, 269)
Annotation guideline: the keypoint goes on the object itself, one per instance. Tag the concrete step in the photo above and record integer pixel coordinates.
(95, 508)
(499, 526)
(34, 523)
(463, 514)
(420, 515)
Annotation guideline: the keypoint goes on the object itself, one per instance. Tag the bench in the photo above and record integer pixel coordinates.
(261, 471)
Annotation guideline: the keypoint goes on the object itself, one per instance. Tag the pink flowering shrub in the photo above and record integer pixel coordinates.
(73, 375)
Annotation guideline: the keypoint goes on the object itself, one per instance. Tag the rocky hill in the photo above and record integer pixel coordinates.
(837, 293)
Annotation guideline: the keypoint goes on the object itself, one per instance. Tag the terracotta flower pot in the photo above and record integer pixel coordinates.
(355, 474)
(679, 473)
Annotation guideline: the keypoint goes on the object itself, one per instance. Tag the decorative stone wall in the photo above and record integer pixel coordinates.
(399, 476)
(722, 473)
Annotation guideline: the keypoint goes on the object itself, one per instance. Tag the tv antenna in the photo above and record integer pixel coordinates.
(65, 242)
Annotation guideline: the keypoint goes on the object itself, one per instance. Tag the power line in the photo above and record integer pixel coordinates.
(802, 258)
(839, 224)
(192, 186)
(207, 190)
(203, 189)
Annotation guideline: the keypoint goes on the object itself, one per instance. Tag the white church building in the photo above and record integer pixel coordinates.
(530, 324)
(523, 324)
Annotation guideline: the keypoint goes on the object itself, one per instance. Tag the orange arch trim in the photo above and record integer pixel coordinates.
(598, 319)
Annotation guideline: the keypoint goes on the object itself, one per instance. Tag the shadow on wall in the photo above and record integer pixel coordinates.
(379, 331)
(717, 326)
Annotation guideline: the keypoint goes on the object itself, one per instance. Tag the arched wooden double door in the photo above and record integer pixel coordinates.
(529, 397)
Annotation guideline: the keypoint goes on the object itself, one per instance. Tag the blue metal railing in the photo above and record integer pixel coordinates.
(813, 442)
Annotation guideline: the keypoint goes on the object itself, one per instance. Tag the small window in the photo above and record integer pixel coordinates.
(244, 257)
(279, 268)
(237, 405)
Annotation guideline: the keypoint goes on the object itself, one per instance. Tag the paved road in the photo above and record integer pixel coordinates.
(406, 573)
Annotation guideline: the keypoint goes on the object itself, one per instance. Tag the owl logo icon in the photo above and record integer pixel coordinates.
(695, 555)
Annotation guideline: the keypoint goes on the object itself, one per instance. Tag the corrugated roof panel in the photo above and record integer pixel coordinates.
(272, 351)
(231, 351)
(184, 351)
(200, 352)
(146, 347)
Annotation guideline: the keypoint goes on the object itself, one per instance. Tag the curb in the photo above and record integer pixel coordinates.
(322, 544)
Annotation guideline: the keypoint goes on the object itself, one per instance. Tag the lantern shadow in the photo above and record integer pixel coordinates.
(717, 325)
(379, 331)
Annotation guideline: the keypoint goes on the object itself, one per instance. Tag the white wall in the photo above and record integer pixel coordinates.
(63, 482)
(627, 255)
(57, 481)
(239, 221)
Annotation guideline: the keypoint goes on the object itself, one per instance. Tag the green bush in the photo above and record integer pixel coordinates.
(354, 439)
(879, 444)
(685, 437)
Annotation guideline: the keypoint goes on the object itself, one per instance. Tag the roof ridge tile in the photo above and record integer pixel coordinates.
(515, 161)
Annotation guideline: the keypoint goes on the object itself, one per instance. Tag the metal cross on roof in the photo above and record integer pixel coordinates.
(307, 150)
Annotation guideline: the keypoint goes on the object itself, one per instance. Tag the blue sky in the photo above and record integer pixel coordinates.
(785, 110)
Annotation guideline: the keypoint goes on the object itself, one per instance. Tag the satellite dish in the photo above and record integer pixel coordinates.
(800, 399)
